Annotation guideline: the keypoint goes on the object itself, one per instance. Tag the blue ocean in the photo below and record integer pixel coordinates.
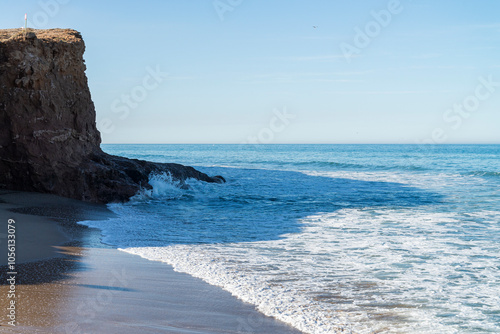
(330, 238)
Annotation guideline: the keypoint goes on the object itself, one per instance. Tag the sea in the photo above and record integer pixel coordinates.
(329, 238)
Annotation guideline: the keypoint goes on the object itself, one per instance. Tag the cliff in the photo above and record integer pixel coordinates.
(48, 138)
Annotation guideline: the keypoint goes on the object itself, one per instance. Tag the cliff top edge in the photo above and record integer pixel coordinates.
(45, 35)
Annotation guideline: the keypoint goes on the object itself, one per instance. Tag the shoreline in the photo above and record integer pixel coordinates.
(69, 282)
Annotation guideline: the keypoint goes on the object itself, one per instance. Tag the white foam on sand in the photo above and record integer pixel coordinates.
(357, 270)
(360, 270)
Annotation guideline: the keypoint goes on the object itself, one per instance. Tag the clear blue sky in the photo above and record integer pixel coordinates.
(417, 77)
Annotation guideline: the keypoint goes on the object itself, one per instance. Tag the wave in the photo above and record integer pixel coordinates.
(253, 205)
(338, 251)
(347, 165)
(484, 174)
(347, 268)
(164, 187)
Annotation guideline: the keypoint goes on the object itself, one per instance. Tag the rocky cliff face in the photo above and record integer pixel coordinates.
(48, 137)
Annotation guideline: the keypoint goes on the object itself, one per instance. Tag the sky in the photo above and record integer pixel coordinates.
(260, 71)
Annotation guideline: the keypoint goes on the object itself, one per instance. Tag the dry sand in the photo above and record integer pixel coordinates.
(68, 282)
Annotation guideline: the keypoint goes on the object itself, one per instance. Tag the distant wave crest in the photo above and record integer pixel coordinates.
(485, 174)
(347, 165)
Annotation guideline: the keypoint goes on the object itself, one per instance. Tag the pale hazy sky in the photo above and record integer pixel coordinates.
(232, 71)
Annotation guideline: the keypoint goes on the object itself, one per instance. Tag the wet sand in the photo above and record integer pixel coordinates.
(35, 234)
(68, 282)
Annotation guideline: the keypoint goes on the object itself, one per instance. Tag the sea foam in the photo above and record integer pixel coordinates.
(327, 247)
(358, 271)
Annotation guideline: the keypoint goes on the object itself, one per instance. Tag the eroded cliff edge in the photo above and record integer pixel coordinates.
(48, 137)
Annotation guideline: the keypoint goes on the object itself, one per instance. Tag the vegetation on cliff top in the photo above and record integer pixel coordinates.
(46, 35)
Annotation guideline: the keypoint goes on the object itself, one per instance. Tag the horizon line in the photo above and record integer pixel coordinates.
(264, 144)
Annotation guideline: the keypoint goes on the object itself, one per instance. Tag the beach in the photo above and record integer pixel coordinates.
(237, 167)
(404, 247)
(329, 238)
(67, 281)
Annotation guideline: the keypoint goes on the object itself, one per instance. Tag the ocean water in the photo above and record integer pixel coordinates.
(330, 238)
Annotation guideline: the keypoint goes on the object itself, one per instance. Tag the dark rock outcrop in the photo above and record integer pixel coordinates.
(48, 137)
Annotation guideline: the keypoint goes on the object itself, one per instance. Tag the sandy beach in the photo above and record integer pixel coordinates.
(68, 282)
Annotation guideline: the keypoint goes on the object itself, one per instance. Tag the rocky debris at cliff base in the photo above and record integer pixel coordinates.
(134, 175)
(49, 142)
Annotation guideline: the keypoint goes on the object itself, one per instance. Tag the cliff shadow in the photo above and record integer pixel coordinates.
(62, 214)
